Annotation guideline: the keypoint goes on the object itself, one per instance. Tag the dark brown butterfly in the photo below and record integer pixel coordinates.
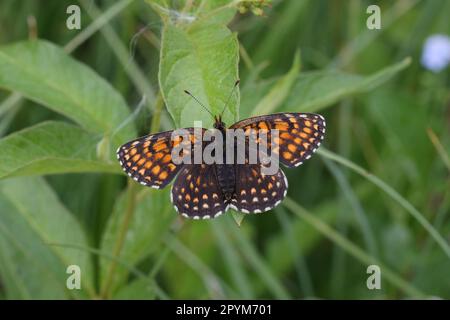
(203, 191)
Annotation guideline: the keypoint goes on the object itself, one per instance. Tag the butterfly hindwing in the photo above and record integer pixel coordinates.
(299, 134)
(196, 192)
(256, 192)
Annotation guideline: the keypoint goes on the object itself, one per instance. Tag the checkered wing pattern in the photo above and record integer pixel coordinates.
(196, 193)
(148, 160)
(256, 192)
(299, 134)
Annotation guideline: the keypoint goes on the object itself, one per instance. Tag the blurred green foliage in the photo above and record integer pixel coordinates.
(69, 98)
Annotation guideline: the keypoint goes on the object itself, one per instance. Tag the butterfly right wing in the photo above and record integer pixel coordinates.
(196, 193)
(256, 192)
(148, 159)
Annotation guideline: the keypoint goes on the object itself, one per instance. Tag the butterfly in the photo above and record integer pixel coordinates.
(203, 191)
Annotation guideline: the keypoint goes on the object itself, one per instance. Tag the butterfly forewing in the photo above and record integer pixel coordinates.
(196, 192)
(148, 159)
(256, 192)
(299, 134)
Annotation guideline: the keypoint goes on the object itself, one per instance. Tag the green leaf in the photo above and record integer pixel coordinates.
(139, 289)
(151, 218)
(43, 72)
(201, 57)
(32, 220)
(50, 147)
(280, 90)
(315, 90)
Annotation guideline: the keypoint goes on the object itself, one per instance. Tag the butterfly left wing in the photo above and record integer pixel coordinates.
(196, 193)
(299, 134)
(256, 192)
(148, 159)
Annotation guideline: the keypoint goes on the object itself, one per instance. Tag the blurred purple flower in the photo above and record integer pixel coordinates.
(436, 52)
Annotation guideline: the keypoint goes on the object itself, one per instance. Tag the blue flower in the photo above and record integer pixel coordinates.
(436, 52)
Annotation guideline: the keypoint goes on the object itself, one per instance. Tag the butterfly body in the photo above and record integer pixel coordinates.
(202, 191)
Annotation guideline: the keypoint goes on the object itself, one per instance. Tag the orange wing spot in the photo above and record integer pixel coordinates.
(292, 147)
(145, 150)
(142, 172)
(277, 140)
(148, 164)
(171, 166)
(306, 145)
(146, 144)
(302, 153)
(189, 178)
(147, 178)
(311, 140)
(163, 175)
(128, 164)
(255, 173)
(308, 123)
(141, 162)
(167, 158)
(133, 151)
(160, 146)
(282, 126)
(156, 170)
(192, 138)
(270, 185)
(303, 135)
(298, 140)
(292, 119)
(316, 127)
(287, 155)
(188, 197)
(263, 125)
(159, 155)
(285, 135)
(149, 155)
(263, 191)
(253, 191)
(191, 186)
(134, 168)
(205, 197)
(136, 157)
(294, 131)
(296, 126)
(197, 181)
(127, 157)
(307, 130)
(195, 200)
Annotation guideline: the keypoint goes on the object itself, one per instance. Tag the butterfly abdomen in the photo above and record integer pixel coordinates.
(227, 179)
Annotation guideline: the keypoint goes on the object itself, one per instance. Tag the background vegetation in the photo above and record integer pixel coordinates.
(377, 193)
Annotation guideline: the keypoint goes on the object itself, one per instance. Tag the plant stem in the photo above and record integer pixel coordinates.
(393, 194)
(131, 204)
(351, 248)
(129, 211)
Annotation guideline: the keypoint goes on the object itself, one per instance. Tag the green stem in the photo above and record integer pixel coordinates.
(351, 248)
(129, 211)
(393, 194)
(131, 204)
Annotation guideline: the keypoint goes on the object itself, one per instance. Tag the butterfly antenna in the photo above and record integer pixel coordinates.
(229, 97)
(204, 107)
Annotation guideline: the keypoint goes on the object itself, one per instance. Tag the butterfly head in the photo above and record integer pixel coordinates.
(218, 123)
